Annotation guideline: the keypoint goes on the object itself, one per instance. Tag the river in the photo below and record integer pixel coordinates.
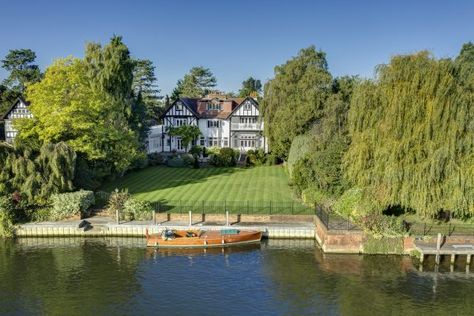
(119, 276)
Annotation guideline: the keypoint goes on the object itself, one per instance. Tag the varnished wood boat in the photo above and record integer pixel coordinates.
(202, 238)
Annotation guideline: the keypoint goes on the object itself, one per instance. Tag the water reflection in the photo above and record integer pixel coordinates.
(107, 276)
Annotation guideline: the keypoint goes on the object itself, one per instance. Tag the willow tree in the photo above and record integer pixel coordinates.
(37, 174)
(413, 135)
(295, 98)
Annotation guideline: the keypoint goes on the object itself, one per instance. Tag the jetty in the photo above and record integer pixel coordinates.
(446, 246)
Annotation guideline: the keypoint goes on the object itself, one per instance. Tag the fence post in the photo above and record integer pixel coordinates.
(154, 216)
(117, 216)
(270, 207)
(248, 207)
(202, 207)
(292, 207)
(190, 218)
(226, 218)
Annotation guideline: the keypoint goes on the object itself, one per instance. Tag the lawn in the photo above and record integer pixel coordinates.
(265, 183)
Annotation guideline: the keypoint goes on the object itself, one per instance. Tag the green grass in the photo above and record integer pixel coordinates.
(266, 183)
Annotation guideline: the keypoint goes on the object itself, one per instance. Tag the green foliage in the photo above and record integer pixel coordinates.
(379, 225)
(65, 205)
(23, 71)
(384, 245)
(195, 84)
(355, 203)
(155, 159)
(188, 133)
(412, 134)
(299, 150)
(36, 173)
(42, 214)
(294, 100)
(256, 157)
(312, 196)
(135, 209)
(196, 150)
(117, 201)
(250, 87)
(6, 218)
(144, 84)
(226, 157)
(67, 108)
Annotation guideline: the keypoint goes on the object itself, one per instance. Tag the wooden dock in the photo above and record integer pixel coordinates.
(444, 248)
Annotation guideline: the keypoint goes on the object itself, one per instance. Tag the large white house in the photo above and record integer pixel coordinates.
(223, 122)
(19, 109)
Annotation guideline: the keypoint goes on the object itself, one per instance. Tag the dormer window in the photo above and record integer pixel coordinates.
(214, 105)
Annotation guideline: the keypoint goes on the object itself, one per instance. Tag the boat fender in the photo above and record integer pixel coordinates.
(222, 240)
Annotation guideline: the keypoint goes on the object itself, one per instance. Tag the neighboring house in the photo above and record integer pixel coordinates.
(224, 122)
(19, 109)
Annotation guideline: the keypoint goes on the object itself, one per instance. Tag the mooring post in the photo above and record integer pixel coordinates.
(117, 216)
(154, 216)
(226, 218)
(438, 247)
(453, 258)
(190, 218)
(422, 258)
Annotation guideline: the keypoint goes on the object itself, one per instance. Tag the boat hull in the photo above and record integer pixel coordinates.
(207, 239)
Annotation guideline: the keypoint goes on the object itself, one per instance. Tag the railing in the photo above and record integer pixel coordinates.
(247, 126)
(233, 207)
(435, 227)
(333, 221)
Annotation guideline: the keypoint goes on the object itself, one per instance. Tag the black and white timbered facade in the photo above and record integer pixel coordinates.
(19, 109)
(223, 122)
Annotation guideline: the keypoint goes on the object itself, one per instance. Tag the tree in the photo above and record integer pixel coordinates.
(294, 100)
(250, 87)
(144, 85)
(412, 139)
(195, 84)
(36, 173)
(67, 107)
(23, 70)
(188, 133)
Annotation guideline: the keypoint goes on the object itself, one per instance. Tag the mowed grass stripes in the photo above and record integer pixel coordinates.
(265, 183)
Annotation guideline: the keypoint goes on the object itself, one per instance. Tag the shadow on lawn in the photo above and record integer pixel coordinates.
(158, 178)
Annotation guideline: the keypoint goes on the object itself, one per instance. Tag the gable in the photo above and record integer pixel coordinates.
(179, 108)
(19, 109)
(248, 107)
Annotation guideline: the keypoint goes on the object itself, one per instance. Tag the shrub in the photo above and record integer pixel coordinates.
(272, 159)
(196, 150)
(155, 159)
(140, 162)
(134, 209)
(188, 159)
(101, 198)
(312, 196)
(226, 157)
(383, 226)
(256, 157)
(299, 149)
(6, 217)
(117, 201)
(353, 203)
(41, 215)
(65, 205)
(384, 245)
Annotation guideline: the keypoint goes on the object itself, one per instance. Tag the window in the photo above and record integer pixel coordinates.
(202, 141)
(214, 105)
(213, 141)
(179, 106)
(214, 123)
(226, 142)
(181, 122)
(247, 106)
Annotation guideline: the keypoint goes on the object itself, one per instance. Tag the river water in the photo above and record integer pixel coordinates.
(119, 276)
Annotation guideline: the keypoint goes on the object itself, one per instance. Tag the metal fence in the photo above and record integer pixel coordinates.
(334, 221)
(233, 207)
(445, 228)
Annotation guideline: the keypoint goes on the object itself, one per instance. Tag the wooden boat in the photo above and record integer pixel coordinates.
(201, 238)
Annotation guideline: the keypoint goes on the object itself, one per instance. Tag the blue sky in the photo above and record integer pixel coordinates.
(237, 39)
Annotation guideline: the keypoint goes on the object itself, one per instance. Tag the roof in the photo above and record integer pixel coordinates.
(195, 106)
(242, 102)
(19, 99)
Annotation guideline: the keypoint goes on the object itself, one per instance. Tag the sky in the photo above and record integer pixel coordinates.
(238, 38)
